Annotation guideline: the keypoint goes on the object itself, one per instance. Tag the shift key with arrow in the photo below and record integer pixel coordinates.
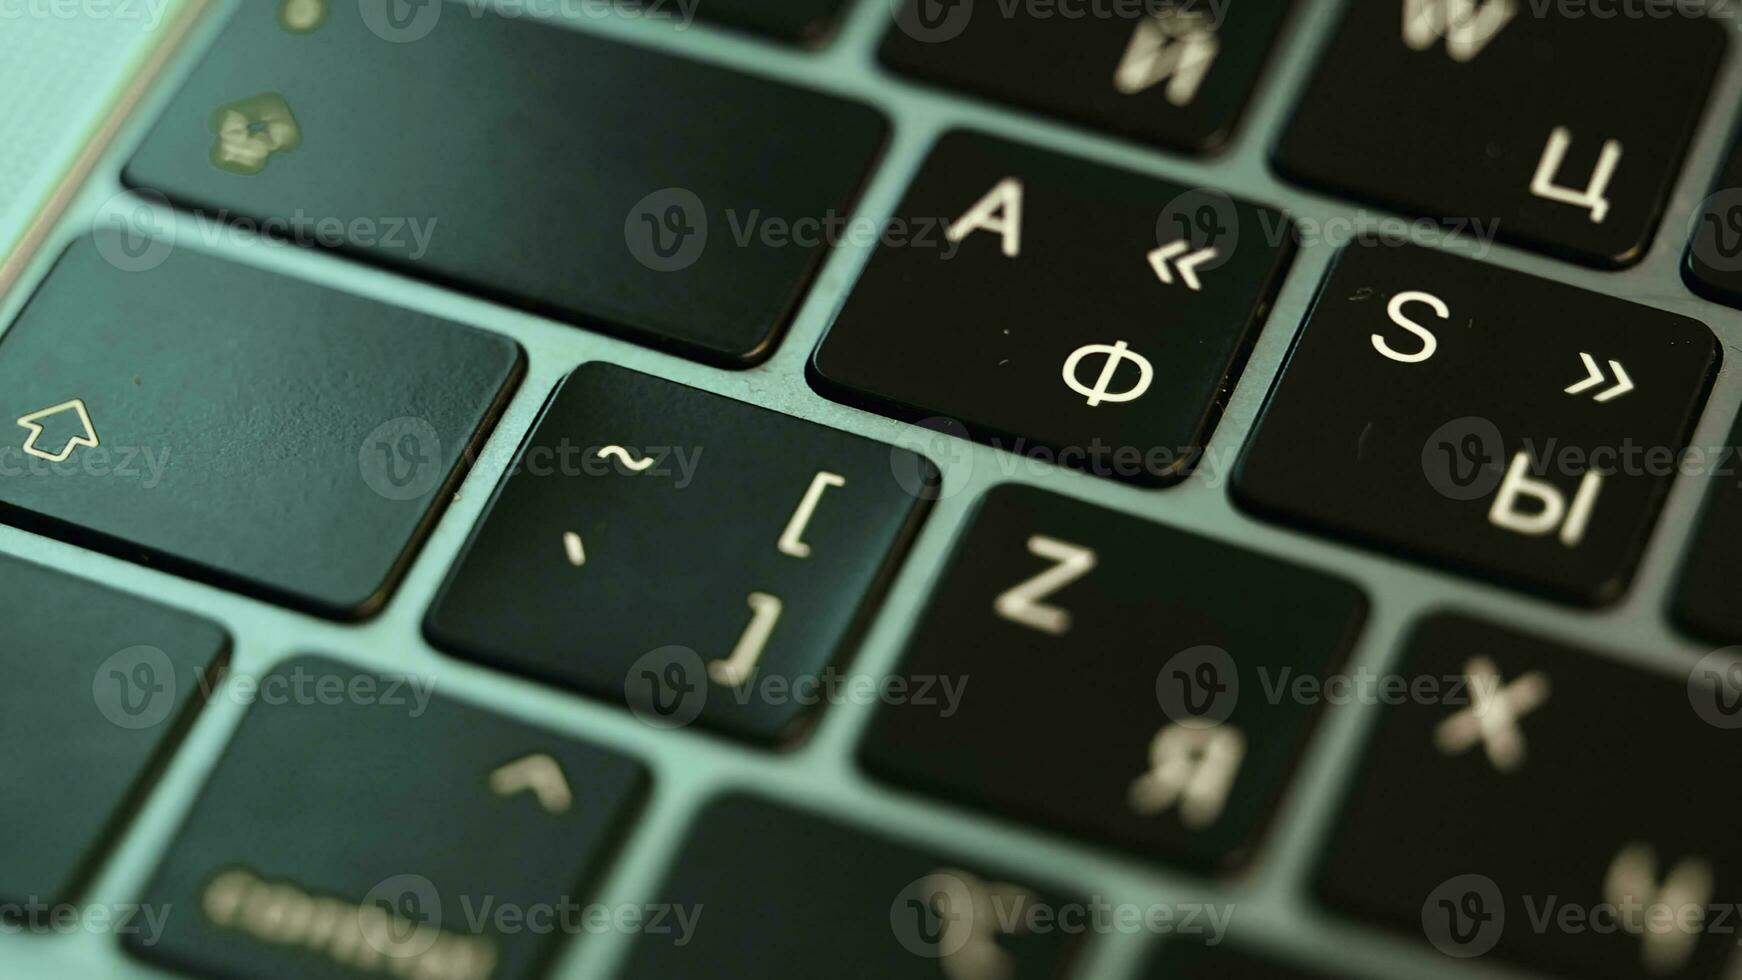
(1061, 309)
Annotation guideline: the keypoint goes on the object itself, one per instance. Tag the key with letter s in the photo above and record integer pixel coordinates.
(1479, 418)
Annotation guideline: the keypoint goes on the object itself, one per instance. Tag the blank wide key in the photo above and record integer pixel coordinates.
(700, 558)
(608, 184)
(780, 894)
(1059, 308)
(1108, 677)
(99, 687)
(1547, 806)
(361, 825)
(246, 428)
(1546, 124)
(1508, 426)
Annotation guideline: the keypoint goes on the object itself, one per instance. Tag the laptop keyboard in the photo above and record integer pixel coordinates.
(894, 488)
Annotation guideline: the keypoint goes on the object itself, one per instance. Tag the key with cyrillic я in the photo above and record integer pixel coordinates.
(1510, 427)
(606, 185)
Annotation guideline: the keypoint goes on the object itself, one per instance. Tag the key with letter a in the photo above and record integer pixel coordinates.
(1497, 423)
(1083, 315)
(1545, 124)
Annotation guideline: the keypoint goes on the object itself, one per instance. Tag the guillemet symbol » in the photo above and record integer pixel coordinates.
(34, 424)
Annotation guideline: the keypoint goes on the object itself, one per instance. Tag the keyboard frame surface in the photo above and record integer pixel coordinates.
(689, 768)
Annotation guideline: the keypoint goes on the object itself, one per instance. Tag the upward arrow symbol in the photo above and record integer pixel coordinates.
(539, 773)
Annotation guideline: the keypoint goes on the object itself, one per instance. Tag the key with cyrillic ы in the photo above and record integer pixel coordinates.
(1499, 424)
(611, 185)
(1058, 308)
(1548, 124)
(1548, 807)
(230, 424)
(1175, 74)
(702, 559)
(765, 891)
(362, 824)
(1098, 674)
(99, 687)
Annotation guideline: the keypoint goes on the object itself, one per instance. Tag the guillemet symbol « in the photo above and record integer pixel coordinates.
(33, 423)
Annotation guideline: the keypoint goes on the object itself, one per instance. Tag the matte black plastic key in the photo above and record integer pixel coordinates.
(1177, 75)
(1058, 308)
(1546, 124)
(246, 428)
(360, 824)
(1500, 424)
(784, 895)
(792, 21)
(1189, 960)
(1102, 675)
(1549, 807)
(1708, 598)
(99, 688)
(620, 188)
(700, 558)
(1713, 267)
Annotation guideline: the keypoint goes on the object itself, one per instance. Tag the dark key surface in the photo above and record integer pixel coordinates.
(1459, 123)
(344, 790)
(1707, 603)
(1024, 350)
(1590, 786)
(1179, 740)
(605, 186)
(1714, 260)
(693, 555)
(1177, 76)
(99, 684)
(226, 423)
(1202, 961)
(792, 21)
(831, 900)
(1497, 448)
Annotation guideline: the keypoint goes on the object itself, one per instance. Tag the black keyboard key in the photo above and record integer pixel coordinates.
(607, 185)
(1714, 260)
(1705, 601)
(1059, 308)
(258, 431)
(1546, 806)
(792, 21)
(1177, 75)
(358, 825)
(1518, 117)
(695, 556)
(1181, 960)
(1170, 745)
(99, 688)
(1482, 419)
(830, 900)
